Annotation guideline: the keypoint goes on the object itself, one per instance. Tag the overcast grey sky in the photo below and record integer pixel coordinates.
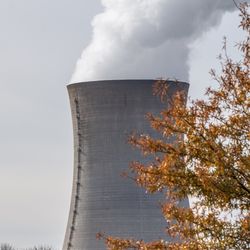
(40, 42)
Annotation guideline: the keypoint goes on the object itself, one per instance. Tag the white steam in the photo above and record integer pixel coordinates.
(146, 38)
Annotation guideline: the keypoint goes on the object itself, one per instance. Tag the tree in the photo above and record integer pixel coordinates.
(41, 247)
(6, 246)
(209, 160)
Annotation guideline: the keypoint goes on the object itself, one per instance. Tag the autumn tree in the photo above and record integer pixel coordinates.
(209, 161)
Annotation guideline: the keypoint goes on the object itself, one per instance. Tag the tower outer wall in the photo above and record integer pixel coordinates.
(104, 113)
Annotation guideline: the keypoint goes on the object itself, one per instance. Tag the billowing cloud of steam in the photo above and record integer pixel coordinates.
(146, 38)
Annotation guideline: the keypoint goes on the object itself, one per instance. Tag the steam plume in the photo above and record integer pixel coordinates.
(146, 38)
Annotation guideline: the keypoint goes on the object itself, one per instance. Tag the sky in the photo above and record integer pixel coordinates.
(40, 43)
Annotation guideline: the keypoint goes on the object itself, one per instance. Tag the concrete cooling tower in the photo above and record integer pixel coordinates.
(104, 113)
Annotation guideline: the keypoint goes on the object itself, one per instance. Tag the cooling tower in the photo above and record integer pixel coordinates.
(104, 113)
